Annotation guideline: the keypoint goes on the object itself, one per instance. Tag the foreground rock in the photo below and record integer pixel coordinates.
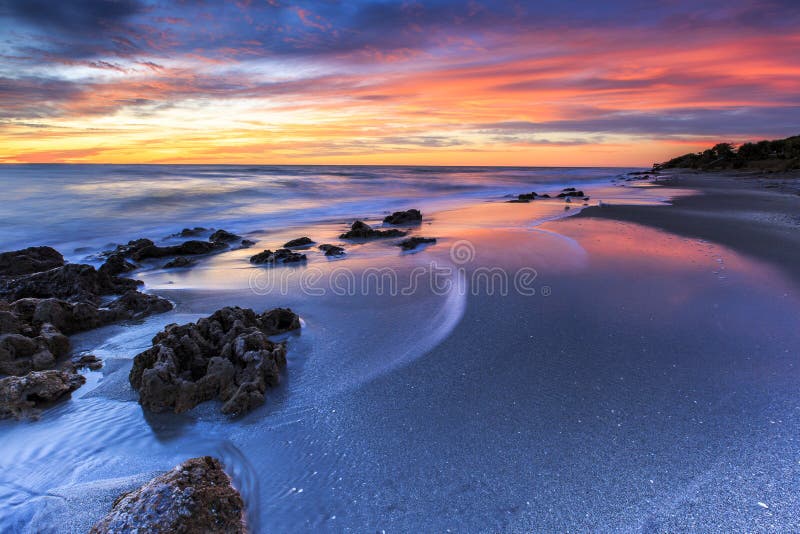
(404, 217)
(227, 356)
(187, 248)
(361, 230)
(331, 250)
(25, 396)
(195, 497)
(30, 260)
(413, 242)
(282, 255)
(299, 242)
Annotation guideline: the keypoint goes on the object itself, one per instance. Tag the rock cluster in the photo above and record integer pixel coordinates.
(29, 260)
(195, 497)
(361, 230)
(282, 255)
(411, 216)
(331, 250)
(227, 356)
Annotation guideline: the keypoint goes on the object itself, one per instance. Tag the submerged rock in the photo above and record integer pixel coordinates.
(282, 255)
(247, 243)
(331, 250)
(137, 305)
(361, 230)
(413, 242)
(299, 242)
(191, 232)
(30, 260)
(224, 236)
(85, 361)
(570, 192)
(180, 261)
(22, 396)
(525, 197)
(132, 247)
(404, 217)
(227, 356)
(195, 497)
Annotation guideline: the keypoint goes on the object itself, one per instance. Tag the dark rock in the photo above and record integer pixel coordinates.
(299, 242)
(21, 354)
(189, 248)
(544, 196)
(361, 230)
(180, 261)
(132, 247)
(67, 317)
(527, 196)
(74, 282)
(116, 264)
(331, 250)
(30, 260)
(571, 193)
(413, 242)
(192, 232)
(226, 356)
(136, 305)
(194, 497)
(22, 396)
(246, 243)
(568, 189)
(224, 236)
(282, 255)
(85, 361)
(404, 217)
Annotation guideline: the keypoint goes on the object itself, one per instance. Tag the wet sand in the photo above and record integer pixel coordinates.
(634, 379)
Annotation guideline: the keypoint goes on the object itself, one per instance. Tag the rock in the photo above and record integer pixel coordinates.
(25, 395)
(30, 260)
(189, 248)
(9, 322)
(67, 317)
(195, 497)
(116, 264)
(191, 232)
(568, 189)
(136, 305)
(132, 247)
(299, 242)
(411, 216)
(224, 236)
(361, 230)
(88, 361)
(331, 250)
(247, 243)
(413, 242)
(180, 261)
(282, 255)
(570, 193)
(74, 282)
(527, 196)
(226, 356)
(544, 196)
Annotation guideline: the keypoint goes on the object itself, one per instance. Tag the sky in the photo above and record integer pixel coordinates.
(469, 82)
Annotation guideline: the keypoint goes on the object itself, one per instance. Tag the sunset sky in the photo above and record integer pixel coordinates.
(367, 82)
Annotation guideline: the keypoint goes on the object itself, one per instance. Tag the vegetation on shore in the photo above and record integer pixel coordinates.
(778, 155)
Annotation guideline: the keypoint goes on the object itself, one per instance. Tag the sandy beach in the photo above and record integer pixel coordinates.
(600, 371)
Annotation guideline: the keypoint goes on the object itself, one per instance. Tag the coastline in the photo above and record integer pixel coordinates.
(754, 213)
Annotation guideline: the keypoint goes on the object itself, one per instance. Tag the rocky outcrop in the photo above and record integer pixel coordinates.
(227, 356)
(115, 265)
(570, 192)
(223, 236)
(411, 216)
(191, 232)
(187, 248)
(195, 497)
(299, 242)
(331, 250)
(30, 260)
(132, 247)
(361, 230)
(25, 396)
(413, 242)
(136, 305)
(282, 255)
(74, 282)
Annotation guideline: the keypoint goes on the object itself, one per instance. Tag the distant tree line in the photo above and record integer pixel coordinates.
(779, 155)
